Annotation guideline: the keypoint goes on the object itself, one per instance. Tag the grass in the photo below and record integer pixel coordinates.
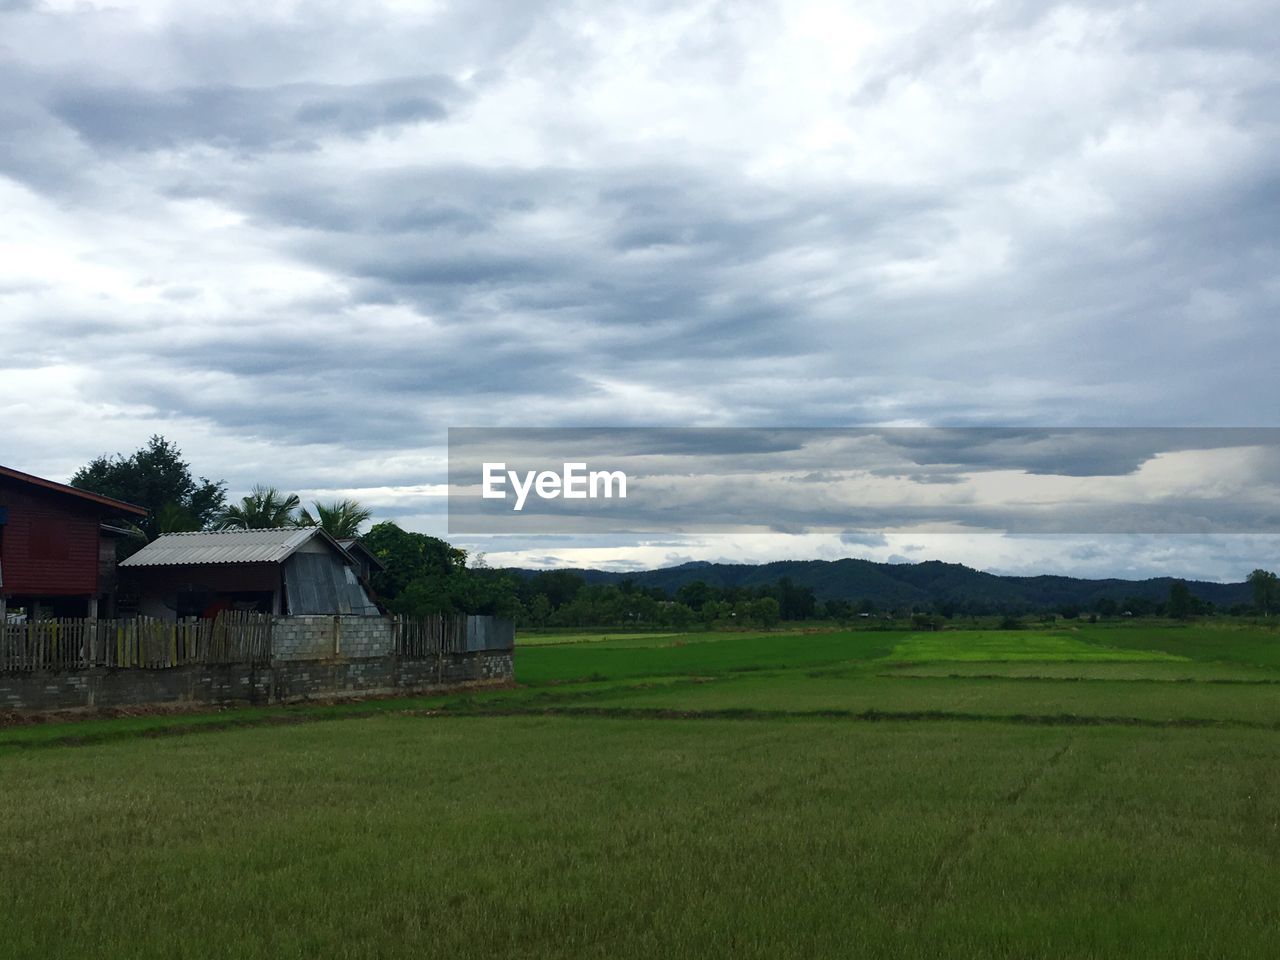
(795, 692)
(556, 639)
(1231, 643)
(1042, 794)
(1005, 645)
(396, 836)
(701, 654)
(1178, 671)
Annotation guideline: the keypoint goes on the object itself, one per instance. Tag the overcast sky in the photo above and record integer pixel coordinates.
(302, 240)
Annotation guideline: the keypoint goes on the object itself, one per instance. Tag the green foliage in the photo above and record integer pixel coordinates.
(408, 557)
(156, 477)
(948, 589)
(1182, 605)
(341, 519)
(171, 518)
(425, 575)
(558, 587)
(265, 508)
(1266, 591)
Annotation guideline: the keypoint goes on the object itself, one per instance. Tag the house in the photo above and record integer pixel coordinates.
(293, 571)
(367, 561)
(57, 552)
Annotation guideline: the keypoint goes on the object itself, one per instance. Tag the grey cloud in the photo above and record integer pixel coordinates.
(716, 489)
(852, 539)
(599, 280)
(292, 116)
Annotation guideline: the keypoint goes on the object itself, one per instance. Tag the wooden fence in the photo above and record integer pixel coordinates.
(66, 644)
(417, 637)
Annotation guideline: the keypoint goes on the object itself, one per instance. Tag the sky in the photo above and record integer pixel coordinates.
(302, 240)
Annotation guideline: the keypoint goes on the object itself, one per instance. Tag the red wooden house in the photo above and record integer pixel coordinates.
(57, 553)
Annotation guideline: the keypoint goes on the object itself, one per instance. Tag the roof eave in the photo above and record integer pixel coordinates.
(65, 488)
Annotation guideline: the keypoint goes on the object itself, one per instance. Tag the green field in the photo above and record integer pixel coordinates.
(1006, 645)
(548, 639)
(1094, 792)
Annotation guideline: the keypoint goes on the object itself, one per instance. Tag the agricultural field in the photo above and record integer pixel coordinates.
(550, 638)
(1103, 791)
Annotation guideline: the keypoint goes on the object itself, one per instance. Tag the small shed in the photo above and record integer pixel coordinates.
(294, 571)
(367, 561)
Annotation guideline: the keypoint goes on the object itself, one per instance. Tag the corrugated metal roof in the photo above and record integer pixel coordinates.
(352, 544)
(227, 546)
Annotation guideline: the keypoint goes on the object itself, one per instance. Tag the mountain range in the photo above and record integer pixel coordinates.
(904, 584)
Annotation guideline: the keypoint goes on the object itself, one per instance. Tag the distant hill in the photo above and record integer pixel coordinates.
(902, 584)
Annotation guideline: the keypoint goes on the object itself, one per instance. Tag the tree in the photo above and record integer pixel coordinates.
(795, 602)
(171, 518)
(1181, 603)
(265, 508)
(1265, 590)
(764, 611)
(539, 610)
(341, 519)
(559, 586)
(694, 594)
(410, 556)
(156, 477)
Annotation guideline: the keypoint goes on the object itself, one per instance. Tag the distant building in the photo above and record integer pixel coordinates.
(293, 571)
(57, 553)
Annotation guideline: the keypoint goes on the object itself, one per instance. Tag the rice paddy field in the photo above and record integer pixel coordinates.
(1102, 791)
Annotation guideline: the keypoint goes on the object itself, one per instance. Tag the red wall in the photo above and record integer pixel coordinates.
(49, 546)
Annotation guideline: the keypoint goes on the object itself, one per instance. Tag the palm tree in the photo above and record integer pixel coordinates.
(172, 518)
(341, 519)
(265, 508)
(169, 518)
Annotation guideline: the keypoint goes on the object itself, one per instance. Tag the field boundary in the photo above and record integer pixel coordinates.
(1246, 681)
(868, 716)
(288, 715)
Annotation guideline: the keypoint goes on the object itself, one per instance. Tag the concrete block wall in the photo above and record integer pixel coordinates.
(455, 668)
(313, 657)
(327, 637)
(111, 687)
(227, 684)
(363, 637)
(302, 638)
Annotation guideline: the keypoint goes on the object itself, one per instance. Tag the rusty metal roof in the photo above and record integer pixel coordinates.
(56, 487)
(228, 546)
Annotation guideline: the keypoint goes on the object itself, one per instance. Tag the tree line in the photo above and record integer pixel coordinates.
(426, 575)
(157, 478)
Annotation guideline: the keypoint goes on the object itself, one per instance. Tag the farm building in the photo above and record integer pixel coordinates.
(366, 560)
(291, 571)
(57, 553)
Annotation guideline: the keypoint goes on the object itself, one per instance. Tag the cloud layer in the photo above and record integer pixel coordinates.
(304, 239)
